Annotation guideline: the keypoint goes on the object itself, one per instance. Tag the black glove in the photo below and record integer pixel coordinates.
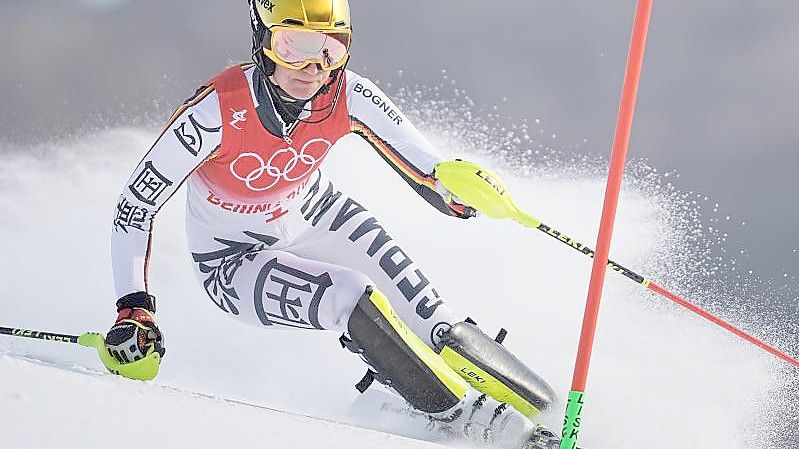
(134, 333)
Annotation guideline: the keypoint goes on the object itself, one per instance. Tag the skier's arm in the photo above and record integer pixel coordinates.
(377, 119)
(190, 136)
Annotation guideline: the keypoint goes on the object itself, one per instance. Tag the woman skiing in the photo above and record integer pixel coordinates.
(275, 244)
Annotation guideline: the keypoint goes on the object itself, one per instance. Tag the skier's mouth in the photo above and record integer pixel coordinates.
(307, 83)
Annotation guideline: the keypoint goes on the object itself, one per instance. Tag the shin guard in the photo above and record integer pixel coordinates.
(491, 369)
(400, 358)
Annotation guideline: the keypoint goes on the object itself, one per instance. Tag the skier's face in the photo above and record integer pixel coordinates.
(300, 84)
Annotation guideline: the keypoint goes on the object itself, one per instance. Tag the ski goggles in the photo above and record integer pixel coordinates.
(295, 48)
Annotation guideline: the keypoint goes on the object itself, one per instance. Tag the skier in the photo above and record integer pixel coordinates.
(275, 244)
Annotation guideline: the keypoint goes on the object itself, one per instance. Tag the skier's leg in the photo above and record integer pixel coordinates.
(345, 233)
(492, 369)
(268, 287)
(405, 363)
(261, 286)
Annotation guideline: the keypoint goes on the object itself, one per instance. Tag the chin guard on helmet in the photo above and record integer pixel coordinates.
(491, 369)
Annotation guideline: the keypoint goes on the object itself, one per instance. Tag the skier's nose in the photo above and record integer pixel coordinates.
(312, 69)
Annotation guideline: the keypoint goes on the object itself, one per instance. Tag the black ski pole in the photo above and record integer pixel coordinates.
(16, 332)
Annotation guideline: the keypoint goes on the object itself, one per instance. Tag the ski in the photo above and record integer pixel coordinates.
(380, 409)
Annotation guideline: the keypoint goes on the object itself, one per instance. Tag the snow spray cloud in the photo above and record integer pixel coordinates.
(701, 257)
(698, 257)
(674, 380)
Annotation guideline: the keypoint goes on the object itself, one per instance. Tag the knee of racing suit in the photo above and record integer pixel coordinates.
(348, 286)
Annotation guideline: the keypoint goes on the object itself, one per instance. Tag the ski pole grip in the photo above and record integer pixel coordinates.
(481, 189)
(145, 368)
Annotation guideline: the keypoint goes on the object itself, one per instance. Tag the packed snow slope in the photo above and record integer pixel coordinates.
(660, 377)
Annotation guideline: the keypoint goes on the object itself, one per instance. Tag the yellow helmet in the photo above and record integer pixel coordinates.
(270, 18)
(310, 14)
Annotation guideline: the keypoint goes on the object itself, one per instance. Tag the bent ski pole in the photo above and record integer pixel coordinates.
(145, 368)
(483, 190)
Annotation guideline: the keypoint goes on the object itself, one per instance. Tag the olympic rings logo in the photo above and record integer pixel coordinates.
(287, 164)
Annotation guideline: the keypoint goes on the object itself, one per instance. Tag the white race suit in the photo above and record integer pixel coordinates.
(274, 243)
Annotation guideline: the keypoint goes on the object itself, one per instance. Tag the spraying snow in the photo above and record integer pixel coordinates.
(660, 378)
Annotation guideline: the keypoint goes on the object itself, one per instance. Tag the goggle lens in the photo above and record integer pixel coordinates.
(297, 48)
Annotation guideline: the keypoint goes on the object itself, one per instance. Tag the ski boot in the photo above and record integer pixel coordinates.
(492, 369)
(542, 438)
(398, 358)
(481, 419)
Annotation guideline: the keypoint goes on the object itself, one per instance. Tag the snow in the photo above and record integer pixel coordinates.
(660, 378)
(60, 406)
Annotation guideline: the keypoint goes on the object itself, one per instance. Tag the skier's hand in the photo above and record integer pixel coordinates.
(458, 207)
(461, 210)
(134, 334)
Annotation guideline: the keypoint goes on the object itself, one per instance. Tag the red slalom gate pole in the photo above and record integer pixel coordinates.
(624, 121)
(718, 321)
